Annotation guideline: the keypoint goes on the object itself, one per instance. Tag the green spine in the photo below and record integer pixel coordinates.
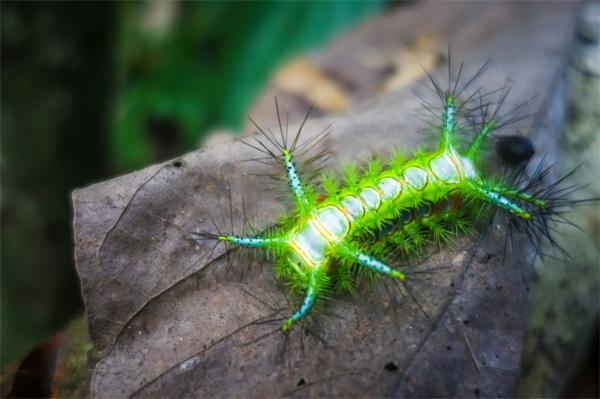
(398, 208)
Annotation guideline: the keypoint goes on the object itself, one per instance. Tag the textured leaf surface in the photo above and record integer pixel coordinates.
(170, 320)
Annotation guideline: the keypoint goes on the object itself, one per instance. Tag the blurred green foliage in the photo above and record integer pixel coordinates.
(90, 89)
(188, 67)
(56, 88)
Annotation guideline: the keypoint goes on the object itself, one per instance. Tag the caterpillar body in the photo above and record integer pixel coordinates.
(363, 220)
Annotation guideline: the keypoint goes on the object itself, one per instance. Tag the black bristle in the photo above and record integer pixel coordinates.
(202, 236)
(541, 228)
(514, 149)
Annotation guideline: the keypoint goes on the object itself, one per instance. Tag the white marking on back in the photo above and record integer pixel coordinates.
(390, 187)
(416, 177)
(370, 198)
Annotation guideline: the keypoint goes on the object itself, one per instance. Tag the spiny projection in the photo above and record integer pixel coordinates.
(394, 206)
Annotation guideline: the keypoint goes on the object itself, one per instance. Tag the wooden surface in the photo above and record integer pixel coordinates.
(169, 320)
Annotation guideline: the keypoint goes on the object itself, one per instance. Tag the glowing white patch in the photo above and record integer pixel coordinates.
(311, 242)
(353, 206)
(370, 197)
(333, 220)
(416, 177)
(468, 167)
(390, 187)
(444, 169)
(189, 364)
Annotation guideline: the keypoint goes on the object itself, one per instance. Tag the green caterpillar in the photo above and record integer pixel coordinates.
(394, 206)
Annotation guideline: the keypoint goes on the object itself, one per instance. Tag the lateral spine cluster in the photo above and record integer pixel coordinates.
(322, 244)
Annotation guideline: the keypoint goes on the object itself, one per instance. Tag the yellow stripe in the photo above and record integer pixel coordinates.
(322, 230)
(457, 164)
(344, 213)
(302, 253)
(380, 194)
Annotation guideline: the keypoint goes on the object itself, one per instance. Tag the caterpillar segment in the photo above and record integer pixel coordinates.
(319, 235)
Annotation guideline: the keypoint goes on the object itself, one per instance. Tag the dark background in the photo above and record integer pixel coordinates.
(92, 90)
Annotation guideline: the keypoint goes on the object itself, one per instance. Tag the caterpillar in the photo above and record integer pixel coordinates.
(361, 222)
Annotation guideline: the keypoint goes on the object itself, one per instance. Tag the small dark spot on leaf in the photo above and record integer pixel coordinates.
(177, 164)
(301, 382)
(391, 366)
(486, 258)
(477, 392)
(466, 322)
(448, 348)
